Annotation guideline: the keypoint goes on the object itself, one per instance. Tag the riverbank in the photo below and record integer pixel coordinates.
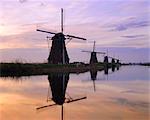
(27, 69)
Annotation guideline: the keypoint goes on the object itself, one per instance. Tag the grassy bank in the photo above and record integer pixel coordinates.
(27, 69)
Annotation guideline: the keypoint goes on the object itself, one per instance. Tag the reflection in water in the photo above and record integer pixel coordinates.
(106, 70)
(124, 96)
(58, 84)
(117, 67)
(113, 68)
(93, 74)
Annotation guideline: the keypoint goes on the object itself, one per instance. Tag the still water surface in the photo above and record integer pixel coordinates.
(120, 95)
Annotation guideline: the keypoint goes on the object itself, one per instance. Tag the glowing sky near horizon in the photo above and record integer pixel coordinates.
(111, 23)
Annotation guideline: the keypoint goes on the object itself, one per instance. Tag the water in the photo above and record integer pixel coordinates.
(120, 95)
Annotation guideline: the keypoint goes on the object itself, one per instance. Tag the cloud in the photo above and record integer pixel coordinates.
(129, 25)
(110, 23)
(134, 36)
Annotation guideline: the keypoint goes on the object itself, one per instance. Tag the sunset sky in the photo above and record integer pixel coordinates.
(121, 26)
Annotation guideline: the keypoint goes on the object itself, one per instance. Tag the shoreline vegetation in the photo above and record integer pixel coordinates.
(28, 69)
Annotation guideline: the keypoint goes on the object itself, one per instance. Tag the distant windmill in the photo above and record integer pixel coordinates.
(93, 58)
(113, 60)
(58, 53)
(106, 61)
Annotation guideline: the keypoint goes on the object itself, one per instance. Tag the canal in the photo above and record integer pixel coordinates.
(122, 94)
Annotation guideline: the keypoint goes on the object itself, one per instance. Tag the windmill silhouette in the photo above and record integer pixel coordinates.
(106, 61)
(58, 53)
(114, 61)
(58, 84)
(93, 58)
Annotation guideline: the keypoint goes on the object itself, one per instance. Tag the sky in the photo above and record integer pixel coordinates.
(121, 26)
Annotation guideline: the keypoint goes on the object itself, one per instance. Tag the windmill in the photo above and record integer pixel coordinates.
(93, 58)
(106, 59)
(113, 60)
(58, 53)
(106, 66)
(58, 84)
(118, 61)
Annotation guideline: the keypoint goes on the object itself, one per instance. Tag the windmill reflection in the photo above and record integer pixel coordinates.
(106, 70)
(58, 84)
(113, 68)
(118, 67)
(93, 74)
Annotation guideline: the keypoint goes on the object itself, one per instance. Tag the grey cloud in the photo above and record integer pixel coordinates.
(125, 25)
(134, 36)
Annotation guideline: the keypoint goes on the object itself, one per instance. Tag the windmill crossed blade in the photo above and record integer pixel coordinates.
(110, 57)
(73, 100)
(101, 52)
(113, 58)
(71, 36)
(45, 31)
(45, 106)
(86, 51)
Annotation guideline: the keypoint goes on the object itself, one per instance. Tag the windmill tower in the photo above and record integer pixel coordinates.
(58, 53)
(106, 59)
(112, 60)
(93, 58)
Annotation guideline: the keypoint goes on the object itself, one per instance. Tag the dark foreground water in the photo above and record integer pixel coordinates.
(120, 95)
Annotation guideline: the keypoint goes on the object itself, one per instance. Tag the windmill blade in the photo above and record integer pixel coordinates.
(110, 57)
(62, 29)
(113, 58)
(97, 79)
(94, 46)
(45, 31)
(73, 100)
(46, 106)
(94, 85)
(118, 59)
(71, 36)
(68, 41)
(86, 51)
(101, 52)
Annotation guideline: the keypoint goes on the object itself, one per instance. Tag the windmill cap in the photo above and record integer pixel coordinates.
(59, 36)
